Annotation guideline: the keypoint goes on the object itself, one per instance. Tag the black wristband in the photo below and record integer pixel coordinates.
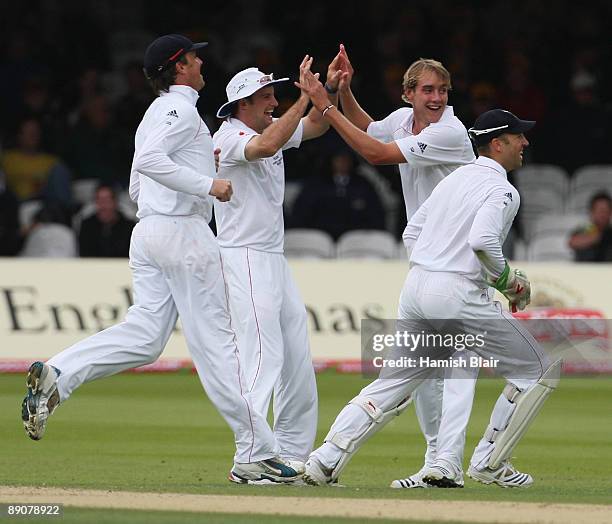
(330, 90)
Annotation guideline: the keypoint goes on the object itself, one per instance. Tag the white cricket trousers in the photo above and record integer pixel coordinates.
(270, 321)
(176, 269)
(435, 295)
(443, 426)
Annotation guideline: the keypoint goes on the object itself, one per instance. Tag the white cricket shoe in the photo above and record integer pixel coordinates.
(41, 398)
(270, 471)
(413, 481)
(506, 476)
(442, 476)
(316, 474)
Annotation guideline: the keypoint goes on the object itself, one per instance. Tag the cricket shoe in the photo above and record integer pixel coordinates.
(41, 399)
(265, 472)
(413, 481)
(441, 476)
(506, 476)
(316, 474)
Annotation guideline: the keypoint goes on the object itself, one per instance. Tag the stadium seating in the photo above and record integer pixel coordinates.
(127, 206)
(27, 211)
(550, 247)
(51, 240)
(308, 243)
(554, 178)
(85, 212)
(367, 244)
(585, 183)
(543, 189)
(83, 191)
(555, 223)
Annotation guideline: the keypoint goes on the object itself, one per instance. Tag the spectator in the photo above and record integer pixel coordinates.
(107, 233)
(593, 243)
(32, 173)
(337, 199)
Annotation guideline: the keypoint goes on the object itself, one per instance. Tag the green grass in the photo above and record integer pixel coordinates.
(160, 433)
(100, 516)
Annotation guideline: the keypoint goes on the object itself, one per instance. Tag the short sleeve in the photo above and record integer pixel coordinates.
(232, 143)
(296, 137)
(384, 129)
(436, 144)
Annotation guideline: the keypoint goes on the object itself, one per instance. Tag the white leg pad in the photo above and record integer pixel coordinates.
(350, 444)
(527, 405)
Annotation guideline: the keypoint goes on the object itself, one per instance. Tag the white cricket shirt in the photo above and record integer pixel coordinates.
(432, 154)
(471, 210)
(173, 161)
(254, 216)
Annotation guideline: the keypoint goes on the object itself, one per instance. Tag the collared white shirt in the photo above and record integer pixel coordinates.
(471, 210)
(254, 216)
(173, 167)
(431, 155)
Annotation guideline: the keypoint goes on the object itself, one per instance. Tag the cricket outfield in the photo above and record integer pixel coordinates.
(157, 435)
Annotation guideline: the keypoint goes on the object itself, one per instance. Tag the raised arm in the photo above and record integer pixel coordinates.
(314, 123)
(372, 150)
(350, 107)
(279, 132)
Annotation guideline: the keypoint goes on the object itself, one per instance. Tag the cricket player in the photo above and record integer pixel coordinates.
(428, 142)
(456, 238)
(267, 312)
(176, 268)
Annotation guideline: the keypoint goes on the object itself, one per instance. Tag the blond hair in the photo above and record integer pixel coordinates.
(418, 68)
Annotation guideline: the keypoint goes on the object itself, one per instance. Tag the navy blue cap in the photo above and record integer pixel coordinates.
(496, 122)
(165, 51)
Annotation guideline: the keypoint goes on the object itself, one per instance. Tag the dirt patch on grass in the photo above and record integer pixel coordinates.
(458, 511)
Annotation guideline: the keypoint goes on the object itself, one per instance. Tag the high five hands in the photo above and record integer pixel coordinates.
(339, 76)
(304, 71)
(340, 71)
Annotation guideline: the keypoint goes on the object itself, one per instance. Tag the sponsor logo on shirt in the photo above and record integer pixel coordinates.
(509, 195)
(422, 146)
(172, 113)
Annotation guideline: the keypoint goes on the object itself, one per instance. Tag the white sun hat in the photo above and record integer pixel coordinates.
(244, 84)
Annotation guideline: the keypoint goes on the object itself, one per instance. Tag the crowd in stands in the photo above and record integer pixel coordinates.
(73, 92)
(593, 242)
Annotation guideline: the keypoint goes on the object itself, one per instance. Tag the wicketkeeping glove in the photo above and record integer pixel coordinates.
(515, 286)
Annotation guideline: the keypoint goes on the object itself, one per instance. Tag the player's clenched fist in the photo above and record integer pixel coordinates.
(221, 189)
